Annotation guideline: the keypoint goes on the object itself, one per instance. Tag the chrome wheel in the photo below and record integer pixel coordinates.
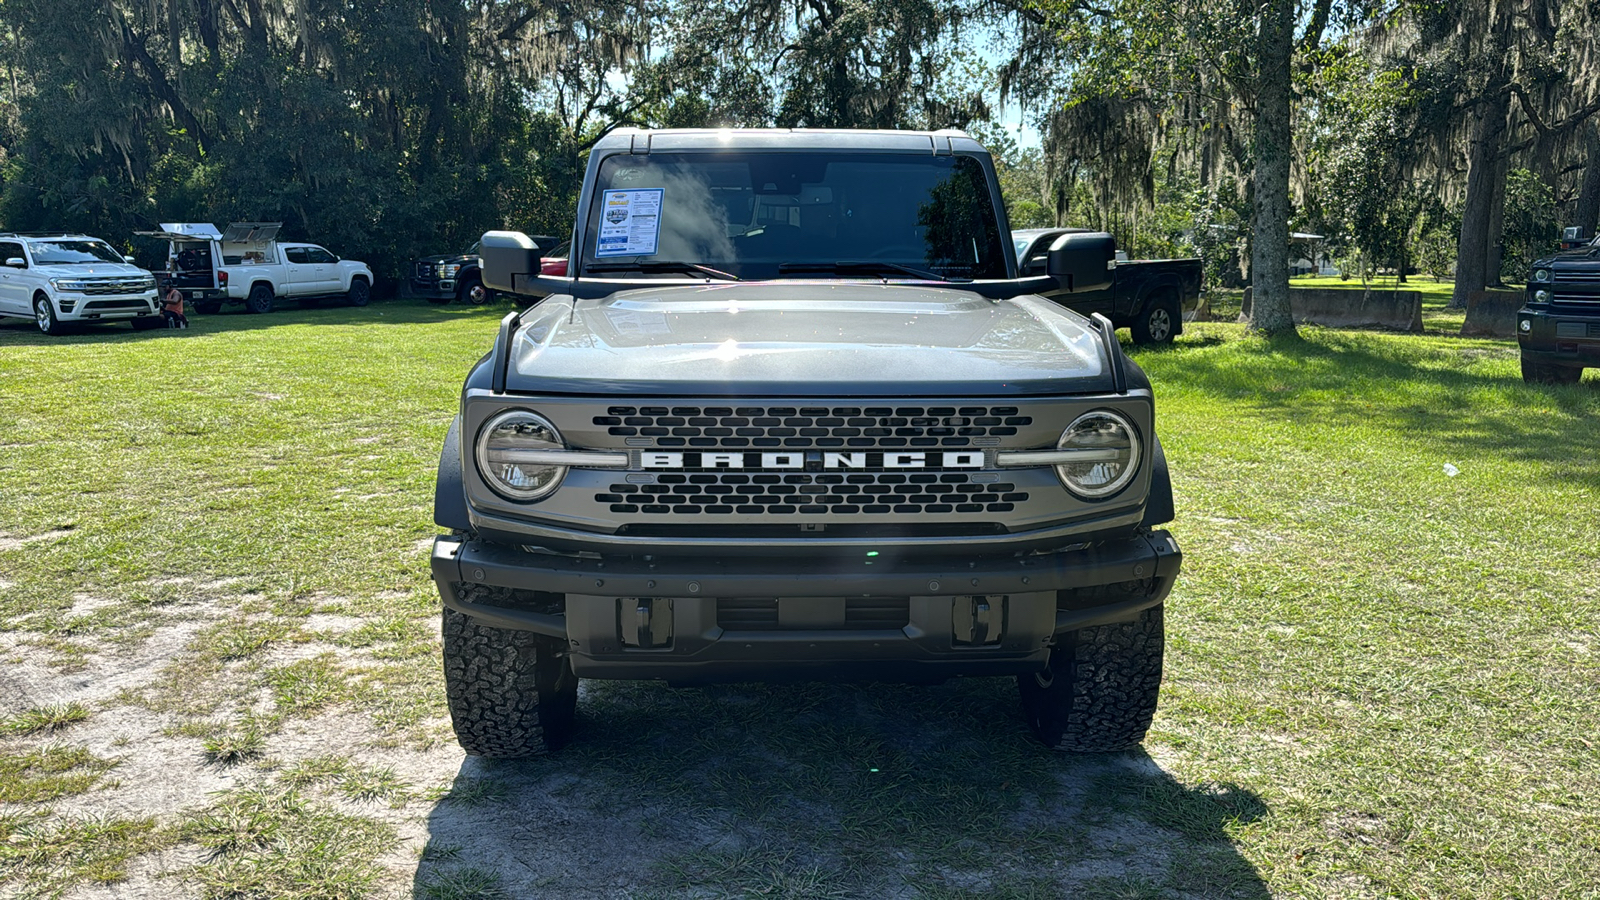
(1160, 324)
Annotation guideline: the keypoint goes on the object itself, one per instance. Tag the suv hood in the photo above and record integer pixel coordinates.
(1576, 258)
(103, 269)
(462, 258)
(795, 338)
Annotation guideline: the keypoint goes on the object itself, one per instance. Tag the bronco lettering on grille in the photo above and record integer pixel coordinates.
(965, 459)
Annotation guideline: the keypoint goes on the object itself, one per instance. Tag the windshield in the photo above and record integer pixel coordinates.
(749, 213)
(66, 253)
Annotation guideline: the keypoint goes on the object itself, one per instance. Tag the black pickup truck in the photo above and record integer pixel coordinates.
(1559, 327)
(1147, 296)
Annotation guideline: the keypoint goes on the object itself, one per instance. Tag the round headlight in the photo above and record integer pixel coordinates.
(1541, 275)
(506, 438)
(1109, 446)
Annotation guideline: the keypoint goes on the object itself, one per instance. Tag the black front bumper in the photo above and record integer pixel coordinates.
(679, 618)
(1558, 335)
(434, 290)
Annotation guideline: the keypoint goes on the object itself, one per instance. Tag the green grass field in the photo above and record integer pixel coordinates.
(1381, 677)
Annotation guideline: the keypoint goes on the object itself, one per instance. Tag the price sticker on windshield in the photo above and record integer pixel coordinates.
(630, 223)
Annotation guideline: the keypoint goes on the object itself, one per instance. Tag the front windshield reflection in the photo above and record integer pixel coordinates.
(66, 253)
(749, 213)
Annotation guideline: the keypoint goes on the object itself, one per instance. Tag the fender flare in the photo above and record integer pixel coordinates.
(1158, 505)
(449, 493)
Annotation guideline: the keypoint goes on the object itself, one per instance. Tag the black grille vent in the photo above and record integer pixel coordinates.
(862, 493)
(759, 427)
(861, 613)
(116, 304)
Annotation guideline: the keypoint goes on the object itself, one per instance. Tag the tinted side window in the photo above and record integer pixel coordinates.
(11, 251)
(319, 255)
(296, 254)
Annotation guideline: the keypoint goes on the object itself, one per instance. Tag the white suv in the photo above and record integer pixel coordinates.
(58, 279)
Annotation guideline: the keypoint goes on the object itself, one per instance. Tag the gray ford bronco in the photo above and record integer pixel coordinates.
(793, 414)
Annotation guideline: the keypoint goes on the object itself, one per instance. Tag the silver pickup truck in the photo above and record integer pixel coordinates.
(793, 414)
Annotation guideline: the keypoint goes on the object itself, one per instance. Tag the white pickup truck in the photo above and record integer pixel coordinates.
(247, 264)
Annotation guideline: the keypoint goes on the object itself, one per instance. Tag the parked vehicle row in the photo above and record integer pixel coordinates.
(246, 264)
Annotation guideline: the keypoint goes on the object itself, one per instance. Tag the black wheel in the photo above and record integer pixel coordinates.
(473, 291)
(360, 293)
(1159, 321)
(511, 693)
(1550, 373)
(208, 307)
(1099, 693)
(260, 299)
(44, 313)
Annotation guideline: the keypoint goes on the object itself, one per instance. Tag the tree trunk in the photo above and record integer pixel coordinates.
(1269, 248)
(1483, 158)
(1495, 247)
(1588, 214)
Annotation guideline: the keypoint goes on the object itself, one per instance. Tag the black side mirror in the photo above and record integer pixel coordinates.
(1082, 262)
(508, 260)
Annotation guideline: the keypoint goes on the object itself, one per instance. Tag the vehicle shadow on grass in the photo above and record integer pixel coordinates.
(828, 791)
(405, 311)
(1352, 378)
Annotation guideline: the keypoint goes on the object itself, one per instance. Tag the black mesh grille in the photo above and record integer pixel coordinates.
(859, 493)
(778, 427)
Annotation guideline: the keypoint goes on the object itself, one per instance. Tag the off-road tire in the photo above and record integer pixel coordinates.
(1158, 323)
(44, 315)
(511, 693)
(208, 307)
(1100, 690)
(360, 293)
(1550, 373)
(260, 299)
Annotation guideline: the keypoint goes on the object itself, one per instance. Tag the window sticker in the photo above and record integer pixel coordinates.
(630, 223)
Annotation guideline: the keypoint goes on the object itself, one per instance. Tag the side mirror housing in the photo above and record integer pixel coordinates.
(16, 262)
(1082, 262)
(508, 260)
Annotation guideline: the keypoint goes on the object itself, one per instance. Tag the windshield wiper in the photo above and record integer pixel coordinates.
(866, 265)
(662, 265)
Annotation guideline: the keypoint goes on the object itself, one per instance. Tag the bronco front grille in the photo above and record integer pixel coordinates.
(857, 493)
(812, 426)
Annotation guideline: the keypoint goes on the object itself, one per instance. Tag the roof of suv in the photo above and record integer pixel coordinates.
(642, 141)
(46, 235)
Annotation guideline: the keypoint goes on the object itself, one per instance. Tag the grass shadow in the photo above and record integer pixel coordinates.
(830, 791)
(399, 311)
